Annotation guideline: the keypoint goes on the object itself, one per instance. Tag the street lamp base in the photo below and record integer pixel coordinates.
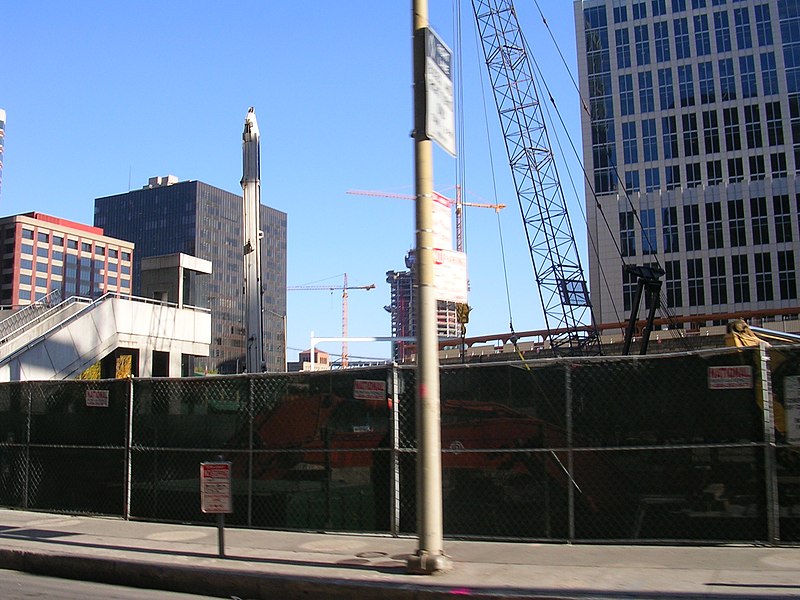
(423, 563)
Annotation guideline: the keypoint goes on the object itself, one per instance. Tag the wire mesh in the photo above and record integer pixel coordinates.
(641, 449)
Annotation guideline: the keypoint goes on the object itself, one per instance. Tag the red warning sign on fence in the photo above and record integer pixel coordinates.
(215, 487)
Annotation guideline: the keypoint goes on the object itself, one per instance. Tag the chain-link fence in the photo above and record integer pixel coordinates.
(698, 447)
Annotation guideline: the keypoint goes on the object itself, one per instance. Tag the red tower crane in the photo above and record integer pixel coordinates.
(330, 288)
(459, 203)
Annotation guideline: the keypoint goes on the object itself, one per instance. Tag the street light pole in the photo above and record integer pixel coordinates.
(430, 557)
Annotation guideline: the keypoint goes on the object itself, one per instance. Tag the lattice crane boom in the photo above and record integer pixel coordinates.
(562, 287)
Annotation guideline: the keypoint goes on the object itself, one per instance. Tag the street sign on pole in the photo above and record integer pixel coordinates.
(440, 122)
(215, 487)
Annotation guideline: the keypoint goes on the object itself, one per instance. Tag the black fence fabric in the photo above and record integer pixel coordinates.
(698, 447)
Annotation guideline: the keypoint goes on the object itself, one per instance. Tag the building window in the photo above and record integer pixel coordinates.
(26, 263)
(630, 152)
(126, 256)
(691, 142)
(620, 14)
(72, 244)
(678, 6)
(42, 251)
(774, 123)
(763, 271)
(639, 10)
(722, 31)
(693, 175)
(702, 36)
(642, 40)
(659, 7)
(759, 220)
(778, 163)
(735, 170)
(717, 280)
(757, 170)
(43, 237)
(691, 226)
(629, 285)
(627, 234)
(686, 85)
(661, 37)
(714, 172)
(666, 94)
(669, 223)
(730, 119)
(649, 140)
(27, 234)
(736, 223)
(783, 218)
(649, 240)
(763, 25)
(681, 28)
(672, 177)
(672, 279)
(727, 79)
(769, 73)
(632, 181)
(652, 181)
(694, 281)
(669, 131)
(58, 240)
(623, 48)
(741, 278)
(626, 106)
(705, 80)
(714, 225)
(752, 126)
(698, 4)
(741, 19)
(747, 69)
(787, 277)
(647, 101)
(86, 247)
(711, 131)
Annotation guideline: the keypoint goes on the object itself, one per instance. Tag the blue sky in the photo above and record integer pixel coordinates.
(102, 95)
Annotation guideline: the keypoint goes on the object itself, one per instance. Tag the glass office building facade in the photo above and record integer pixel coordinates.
(194, 218)
(692, 146)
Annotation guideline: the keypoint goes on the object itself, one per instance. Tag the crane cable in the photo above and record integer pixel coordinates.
(663, 305)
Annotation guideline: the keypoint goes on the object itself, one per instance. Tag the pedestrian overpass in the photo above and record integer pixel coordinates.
(54, 340)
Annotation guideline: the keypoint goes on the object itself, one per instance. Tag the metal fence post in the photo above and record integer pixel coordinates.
(27, 456)
(394, 456)
(128, 483)
(770, 472)
(250, 418)
(570, 457)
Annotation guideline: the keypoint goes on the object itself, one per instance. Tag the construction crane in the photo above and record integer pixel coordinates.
(562, 287)
(459, 203)
(330, 288)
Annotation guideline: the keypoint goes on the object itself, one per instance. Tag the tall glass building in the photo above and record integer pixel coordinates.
(167, 216)
(691, 143)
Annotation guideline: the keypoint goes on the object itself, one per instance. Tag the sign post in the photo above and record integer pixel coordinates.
(215, 494)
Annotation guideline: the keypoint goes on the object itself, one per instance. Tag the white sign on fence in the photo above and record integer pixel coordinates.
(215, 487)
(730, 378)
(97, 398)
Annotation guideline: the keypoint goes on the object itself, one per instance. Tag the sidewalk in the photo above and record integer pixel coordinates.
(274, 564)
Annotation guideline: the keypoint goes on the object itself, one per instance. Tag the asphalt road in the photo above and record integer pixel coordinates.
(15, 585)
